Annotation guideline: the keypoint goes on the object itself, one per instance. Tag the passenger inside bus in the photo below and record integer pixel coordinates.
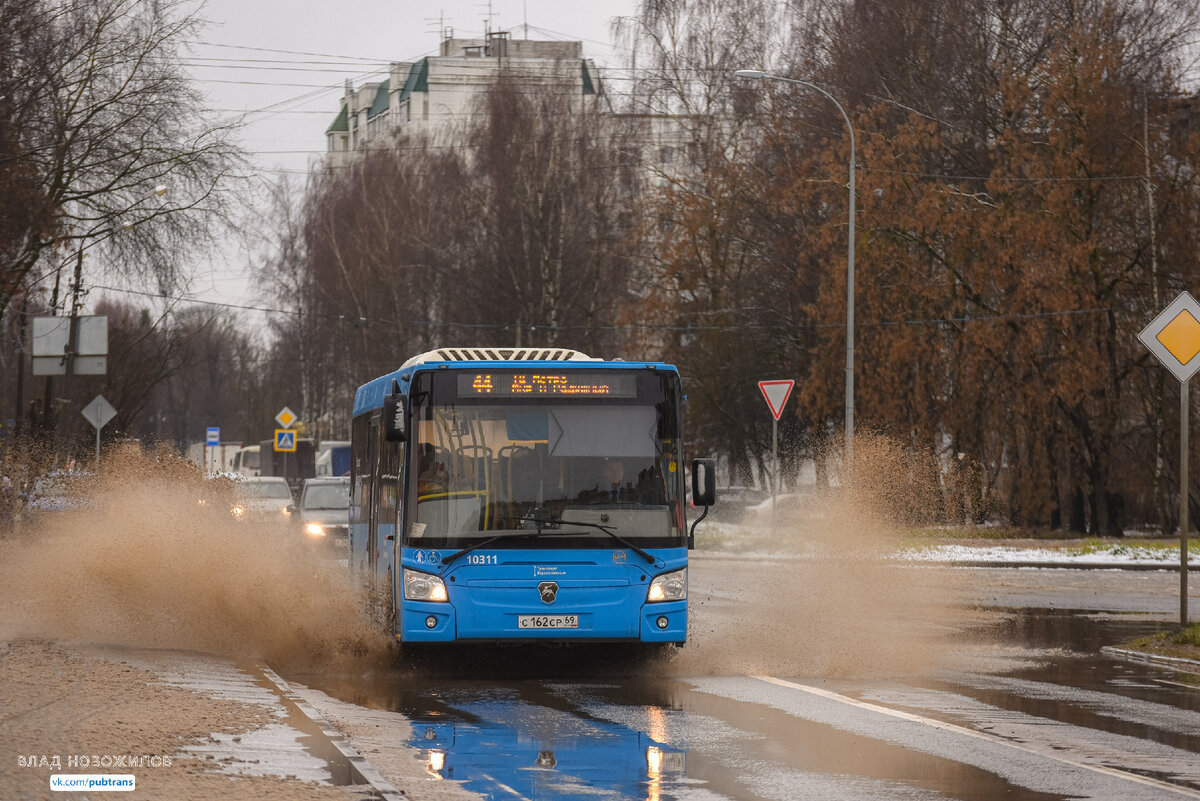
(432, 476)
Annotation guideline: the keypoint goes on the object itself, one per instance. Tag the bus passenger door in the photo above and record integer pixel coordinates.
(361, 532)
(372, 500)
(385, 511)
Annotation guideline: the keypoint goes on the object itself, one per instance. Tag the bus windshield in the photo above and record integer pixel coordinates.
(482, 466)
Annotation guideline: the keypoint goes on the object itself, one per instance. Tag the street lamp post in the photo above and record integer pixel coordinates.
(760, 75)
(97, 235)
(77, 285)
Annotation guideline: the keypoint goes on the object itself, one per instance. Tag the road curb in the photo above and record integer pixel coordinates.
(1173, 662)
(358, 763)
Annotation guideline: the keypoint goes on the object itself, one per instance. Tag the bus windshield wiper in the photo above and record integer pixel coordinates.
(487, 541)
(542, 521)
(649, 557)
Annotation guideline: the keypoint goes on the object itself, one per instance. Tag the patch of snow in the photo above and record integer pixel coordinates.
(1115, 554)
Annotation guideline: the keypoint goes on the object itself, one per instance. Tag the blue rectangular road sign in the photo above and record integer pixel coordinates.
(212, 435)
(285, 440)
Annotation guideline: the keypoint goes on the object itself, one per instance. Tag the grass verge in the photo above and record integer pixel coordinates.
(1183, 644)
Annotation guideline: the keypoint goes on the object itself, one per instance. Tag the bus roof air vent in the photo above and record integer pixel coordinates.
(497, 354)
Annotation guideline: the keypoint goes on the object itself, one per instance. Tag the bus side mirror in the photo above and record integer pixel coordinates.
(395, 418)
(704, 482)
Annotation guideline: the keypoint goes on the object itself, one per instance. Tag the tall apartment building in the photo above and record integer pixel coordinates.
(436, 95)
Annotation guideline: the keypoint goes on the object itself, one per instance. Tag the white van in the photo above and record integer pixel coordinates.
(247, 462)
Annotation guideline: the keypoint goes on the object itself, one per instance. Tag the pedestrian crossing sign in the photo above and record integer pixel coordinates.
(285, 440)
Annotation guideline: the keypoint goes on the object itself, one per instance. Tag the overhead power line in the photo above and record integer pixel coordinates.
(784, 325)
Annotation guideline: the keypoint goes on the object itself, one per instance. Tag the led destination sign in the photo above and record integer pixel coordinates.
(547, 385)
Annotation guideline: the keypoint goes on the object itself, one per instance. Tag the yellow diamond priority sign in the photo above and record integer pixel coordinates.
(286, 417)
(1174, 336)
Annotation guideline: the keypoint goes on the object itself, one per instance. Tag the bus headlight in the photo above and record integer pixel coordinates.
(668, 587)
(423, 587)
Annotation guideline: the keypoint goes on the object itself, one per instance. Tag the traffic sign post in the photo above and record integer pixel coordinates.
(776, 393)
(285, 440)
(212, 439)
(286, 417)
(1174, 339)
(98, 413)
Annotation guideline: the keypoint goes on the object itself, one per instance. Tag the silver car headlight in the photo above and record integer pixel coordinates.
(668, 587)
(423, 587)
(314, 530)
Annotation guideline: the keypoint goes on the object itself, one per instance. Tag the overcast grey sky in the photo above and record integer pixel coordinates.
(281, 67)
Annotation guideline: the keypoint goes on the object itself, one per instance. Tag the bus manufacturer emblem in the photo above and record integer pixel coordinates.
(548, 591)
(618, 557)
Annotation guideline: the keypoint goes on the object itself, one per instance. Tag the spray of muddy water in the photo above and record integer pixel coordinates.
(147, 565)
(824, 595)
(144, 563)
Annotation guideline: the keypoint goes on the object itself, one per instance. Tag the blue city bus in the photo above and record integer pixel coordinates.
(506, 495)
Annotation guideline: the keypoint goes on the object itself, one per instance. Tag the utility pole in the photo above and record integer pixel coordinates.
(72, 334)
(19, 407)
(48, 399)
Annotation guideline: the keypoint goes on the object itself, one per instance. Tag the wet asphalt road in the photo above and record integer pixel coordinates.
(1034, 711)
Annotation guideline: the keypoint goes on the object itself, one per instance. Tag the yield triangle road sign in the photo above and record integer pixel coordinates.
(776, 393)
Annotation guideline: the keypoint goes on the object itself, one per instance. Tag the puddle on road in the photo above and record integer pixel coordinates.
(643, 738)
(569, 723)
(1078, 632)
(1073, 681)
(537, 729)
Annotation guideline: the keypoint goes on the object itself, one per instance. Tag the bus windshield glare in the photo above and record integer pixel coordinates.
(500, 453)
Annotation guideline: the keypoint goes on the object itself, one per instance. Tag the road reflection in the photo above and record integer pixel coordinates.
(543, 723)
(533, 756)
(561, 725)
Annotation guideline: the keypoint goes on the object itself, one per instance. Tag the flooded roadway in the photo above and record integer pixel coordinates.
(1068, 723)
(813, 669)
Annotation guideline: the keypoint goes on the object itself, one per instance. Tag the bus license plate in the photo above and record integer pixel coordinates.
(548, 621)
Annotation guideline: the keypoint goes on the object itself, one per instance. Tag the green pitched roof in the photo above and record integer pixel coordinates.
(380, 103)
(588, 88)
(418, 79)
(341, 124)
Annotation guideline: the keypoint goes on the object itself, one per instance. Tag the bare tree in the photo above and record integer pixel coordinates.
(358, 266)
(27, 214)
(541, 234)
(713, 268)
(518, 235)
(103, 118)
